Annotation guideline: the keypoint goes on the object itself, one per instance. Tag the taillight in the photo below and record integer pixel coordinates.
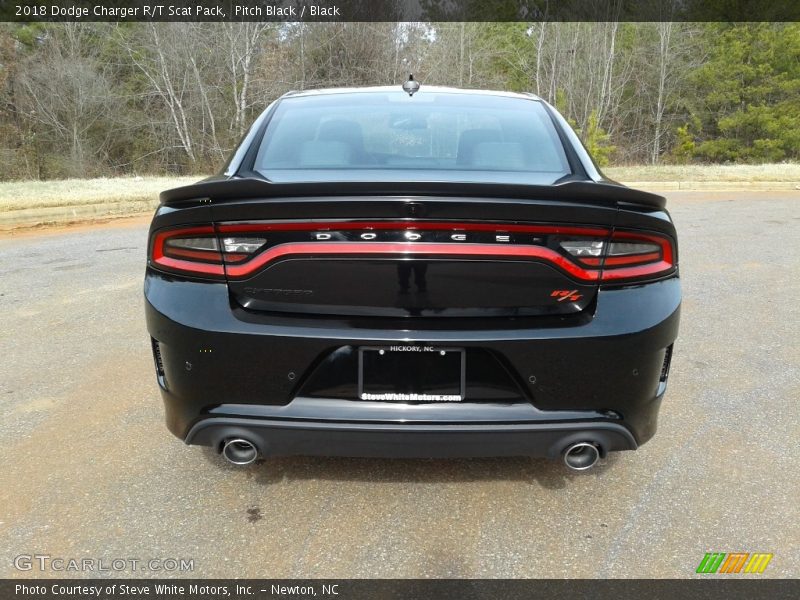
(588, 253)
(625, 256)
(197, 250)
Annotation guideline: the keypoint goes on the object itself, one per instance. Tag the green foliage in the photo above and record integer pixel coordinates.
(507, 41)
(685, 147)
(749, 94)
(597, 141)
(561, 104)
(27, 34)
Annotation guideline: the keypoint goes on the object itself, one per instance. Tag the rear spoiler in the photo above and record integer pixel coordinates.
(221, 189)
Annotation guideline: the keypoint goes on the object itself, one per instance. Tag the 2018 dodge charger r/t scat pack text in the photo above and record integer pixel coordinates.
(443, 273)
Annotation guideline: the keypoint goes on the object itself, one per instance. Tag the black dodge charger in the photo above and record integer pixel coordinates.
(411, 272)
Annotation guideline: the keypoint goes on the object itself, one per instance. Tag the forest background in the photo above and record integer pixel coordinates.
(84, 100)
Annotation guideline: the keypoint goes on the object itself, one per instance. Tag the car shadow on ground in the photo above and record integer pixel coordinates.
(550, 474)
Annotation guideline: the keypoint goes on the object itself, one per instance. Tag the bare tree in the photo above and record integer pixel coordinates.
(67, 90)
(243, 41)
(664, 35)
(159, 55)
(97, 97)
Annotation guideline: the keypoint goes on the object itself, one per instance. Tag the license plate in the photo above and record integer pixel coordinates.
(410, 373)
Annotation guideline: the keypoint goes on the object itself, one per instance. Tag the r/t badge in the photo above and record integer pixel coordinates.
(571, 295)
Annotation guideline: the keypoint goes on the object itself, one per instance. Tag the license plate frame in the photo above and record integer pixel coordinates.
(379, 369)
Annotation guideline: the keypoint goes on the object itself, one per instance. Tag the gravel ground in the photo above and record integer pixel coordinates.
(90, 471)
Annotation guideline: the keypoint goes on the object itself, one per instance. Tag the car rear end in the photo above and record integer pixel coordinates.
(374, 277)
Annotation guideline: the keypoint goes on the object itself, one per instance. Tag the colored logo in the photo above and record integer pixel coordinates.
(571, 295)
(734, 562)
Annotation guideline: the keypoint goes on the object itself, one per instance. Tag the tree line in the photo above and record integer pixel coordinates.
(104, 99)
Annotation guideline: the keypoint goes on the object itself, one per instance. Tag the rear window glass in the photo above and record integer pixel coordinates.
(433, 131)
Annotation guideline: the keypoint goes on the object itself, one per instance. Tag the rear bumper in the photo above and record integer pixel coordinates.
(294, 438)
(228, 372)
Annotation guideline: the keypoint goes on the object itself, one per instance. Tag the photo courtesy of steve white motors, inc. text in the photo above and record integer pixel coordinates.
(164, 590)
(168, 11)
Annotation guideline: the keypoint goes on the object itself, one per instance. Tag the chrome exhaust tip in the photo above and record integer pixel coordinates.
(581, 456)
(239, 452)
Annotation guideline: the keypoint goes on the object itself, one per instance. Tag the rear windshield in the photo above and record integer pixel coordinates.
(454, 137)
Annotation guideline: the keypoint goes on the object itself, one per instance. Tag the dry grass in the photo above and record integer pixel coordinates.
(783, 172)
(17, 195)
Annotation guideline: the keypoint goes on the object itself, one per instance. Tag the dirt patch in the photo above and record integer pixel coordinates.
(77, 226)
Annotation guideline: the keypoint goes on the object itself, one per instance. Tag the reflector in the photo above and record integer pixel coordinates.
(248, 245)
(621, 248)
(205, 243)
(583, 247)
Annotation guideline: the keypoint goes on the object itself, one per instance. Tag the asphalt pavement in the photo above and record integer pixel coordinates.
(90, 471)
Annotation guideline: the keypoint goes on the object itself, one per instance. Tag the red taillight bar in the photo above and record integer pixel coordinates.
(408, 249)
(623, 267)
(188, 266)
(650, 269)
(666, 246)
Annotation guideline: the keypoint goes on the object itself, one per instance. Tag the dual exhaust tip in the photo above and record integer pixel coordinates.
(239, 451)
(580, 456)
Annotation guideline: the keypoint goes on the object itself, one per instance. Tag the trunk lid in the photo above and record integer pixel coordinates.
(411, 255)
